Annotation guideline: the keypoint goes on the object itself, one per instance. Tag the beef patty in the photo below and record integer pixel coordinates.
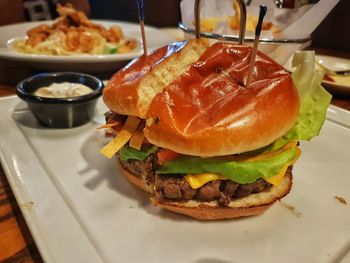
(176, 188)
(145, 169)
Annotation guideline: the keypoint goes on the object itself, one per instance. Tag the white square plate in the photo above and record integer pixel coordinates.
(79, 208)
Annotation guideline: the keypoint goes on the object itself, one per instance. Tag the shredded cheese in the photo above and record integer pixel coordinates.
(136, 140)
(122, 137)
(108, 125)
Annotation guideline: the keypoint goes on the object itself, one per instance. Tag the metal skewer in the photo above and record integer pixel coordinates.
(262, 13)
(305, 41)
(141, 12)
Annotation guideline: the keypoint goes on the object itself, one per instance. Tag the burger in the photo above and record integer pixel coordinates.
(128, 95)
(208, 146)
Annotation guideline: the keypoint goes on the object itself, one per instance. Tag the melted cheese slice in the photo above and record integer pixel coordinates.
(198, 180)
(277, 179)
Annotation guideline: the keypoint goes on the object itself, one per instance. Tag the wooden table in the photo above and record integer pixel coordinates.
(16, 242)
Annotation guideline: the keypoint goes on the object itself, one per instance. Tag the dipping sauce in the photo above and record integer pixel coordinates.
(63, 90)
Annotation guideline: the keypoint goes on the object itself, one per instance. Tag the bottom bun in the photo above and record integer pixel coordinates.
(254, 204)
(135, 180)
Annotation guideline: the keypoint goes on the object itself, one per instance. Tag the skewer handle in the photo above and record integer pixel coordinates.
(141, 12)
(262, 14)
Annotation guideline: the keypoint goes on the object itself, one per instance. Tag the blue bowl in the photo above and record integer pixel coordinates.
(61, 112)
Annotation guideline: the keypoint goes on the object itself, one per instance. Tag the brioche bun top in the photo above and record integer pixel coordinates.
(131, 90)
(208, 111)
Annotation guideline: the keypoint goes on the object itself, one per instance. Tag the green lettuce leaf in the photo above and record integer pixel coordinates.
(314, 100)
(128, 152)
(241, 172)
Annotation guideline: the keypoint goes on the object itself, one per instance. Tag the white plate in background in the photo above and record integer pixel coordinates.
(341, 84)
(80, 209)
(92, 63)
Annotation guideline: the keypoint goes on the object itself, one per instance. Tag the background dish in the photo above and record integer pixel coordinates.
(332, 63)
(88, 63)
(103, 218)
(341, 84)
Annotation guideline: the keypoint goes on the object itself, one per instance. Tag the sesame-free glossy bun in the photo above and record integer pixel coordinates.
(208, 111)
(131, 90)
